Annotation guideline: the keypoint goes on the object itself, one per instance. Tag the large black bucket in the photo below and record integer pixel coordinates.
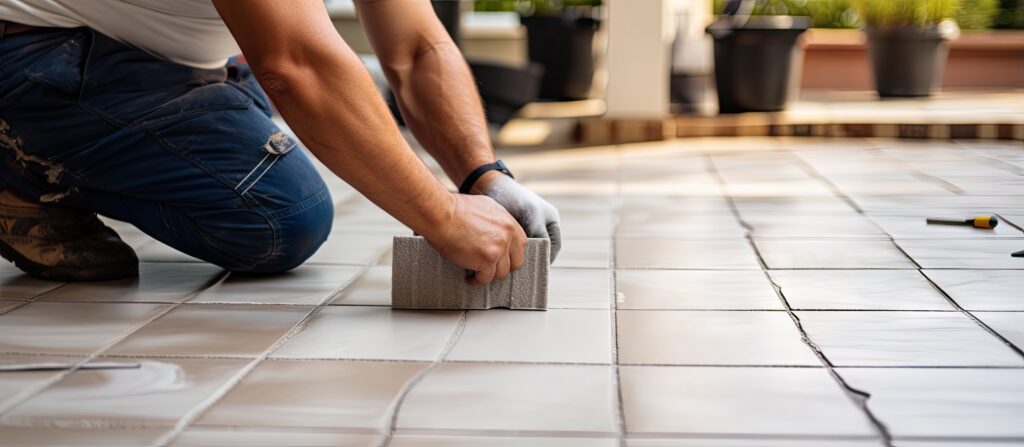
(753, 61)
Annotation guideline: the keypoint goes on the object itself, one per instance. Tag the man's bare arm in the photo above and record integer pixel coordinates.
(325, 94)
(434, 87)
(441, 105)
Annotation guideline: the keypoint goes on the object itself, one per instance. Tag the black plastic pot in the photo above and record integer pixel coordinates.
(450, 14)
(506, 89)
(564, 46)
(754, 60)
(907, 61)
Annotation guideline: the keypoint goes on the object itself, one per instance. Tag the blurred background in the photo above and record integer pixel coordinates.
(556, 72)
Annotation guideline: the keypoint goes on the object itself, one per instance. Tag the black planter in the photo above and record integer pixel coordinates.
(450, 14)
(753, 61)
(564, 46)
(505, 89)
(907, 61)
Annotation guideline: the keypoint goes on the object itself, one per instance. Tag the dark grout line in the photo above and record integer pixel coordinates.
(920, 269)
(396, 408)
(196, 412)
(973, 318)
(613, 307)
(857, 396)
(29, 392)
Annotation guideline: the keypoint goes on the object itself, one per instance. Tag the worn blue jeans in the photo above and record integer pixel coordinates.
(189, 156)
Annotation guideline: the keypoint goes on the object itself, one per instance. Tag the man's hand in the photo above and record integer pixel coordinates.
(480, 236)
(538, 217)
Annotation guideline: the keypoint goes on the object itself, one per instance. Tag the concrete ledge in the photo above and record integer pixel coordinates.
(422, 279)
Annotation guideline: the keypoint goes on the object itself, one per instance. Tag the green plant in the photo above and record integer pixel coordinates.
(976, 14)
(531, 6)
(883, 13)
(823, 13)
(1010, 15)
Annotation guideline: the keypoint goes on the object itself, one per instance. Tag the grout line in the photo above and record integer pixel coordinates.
(31, 391)
(617, 203)
(856, 396)
(920, 269)
(199, 410)
(29, 300)
(396, 407)
(974, 318)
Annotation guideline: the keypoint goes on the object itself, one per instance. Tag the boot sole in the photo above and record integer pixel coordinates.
(68, 274)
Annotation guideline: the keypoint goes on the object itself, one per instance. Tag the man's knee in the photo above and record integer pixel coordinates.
(298, 236)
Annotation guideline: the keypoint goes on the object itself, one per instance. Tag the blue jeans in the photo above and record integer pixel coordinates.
(189, 156)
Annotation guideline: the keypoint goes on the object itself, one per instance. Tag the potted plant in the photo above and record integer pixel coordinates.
(908, 43)
(560, 37)
(755, 43)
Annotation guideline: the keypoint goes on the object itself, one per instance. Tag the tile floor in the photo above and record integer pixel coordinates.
(710, 292)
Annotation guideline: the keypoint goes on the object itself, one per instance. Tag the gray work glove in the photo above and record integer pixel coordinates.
(538, 217)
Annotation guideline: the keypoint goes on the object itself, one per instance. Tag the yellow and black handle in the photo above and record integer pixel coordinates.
(985, 222)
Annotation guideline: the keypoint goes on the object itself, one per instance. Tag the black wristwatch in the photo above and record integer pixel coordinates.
(475, 175)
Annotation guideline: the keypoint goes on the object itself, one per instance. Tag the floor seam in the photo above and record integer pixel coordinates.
(200, 409)
(396, 407)
(34, 390)
(858, 397)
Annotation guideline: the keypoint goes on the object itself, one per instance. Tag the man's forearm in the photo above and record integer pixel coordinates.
(337, 112)
(441, 105)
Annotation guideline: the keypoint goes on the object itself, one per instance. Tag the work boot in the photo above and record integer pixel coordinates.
(61, 244)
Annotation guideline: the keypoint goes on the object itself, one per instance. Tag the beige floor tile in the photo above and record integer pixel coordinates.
(982, 289)
(798, 206)
(69, 328)
(378, 333)
(330, 394)
(579, 289)
(14, 382)
(159, 392)
(16, 285)
(157, 251)
(566, 398)
(859, 290)
(832, 254)
(685, 224)
(697, 205)
(584, 253)
(595, 223)
(215, 330)
(63, 437)
(1010, 325)
(7, 305)
(353, 250)
(738, 401)
(556, 335)
(206, 437)
(724, 254)
(163, 282)
(695, 289)
(905, 339)
(474, 441)
(944, 402)
(818, 225)
(745, 441)
(308, 284)
(964, 253)
(373, 288)
(710, 338)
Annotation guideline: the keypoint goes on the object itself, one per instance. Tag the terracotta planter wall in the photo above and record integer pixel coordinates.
(838, 60)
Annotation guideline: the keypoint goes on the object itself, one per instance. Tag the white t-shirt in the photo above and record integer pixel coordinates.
(188, 32)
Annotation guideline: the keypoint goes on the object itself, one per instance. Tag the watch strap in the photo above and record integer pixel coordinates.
(471, 179)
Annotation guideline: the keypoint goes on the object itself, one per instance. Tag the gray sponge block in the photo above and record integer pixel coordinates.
(422, 279)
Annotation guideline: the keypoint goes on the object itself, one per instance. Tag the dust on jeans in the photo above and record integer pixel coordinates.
(52, 171)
